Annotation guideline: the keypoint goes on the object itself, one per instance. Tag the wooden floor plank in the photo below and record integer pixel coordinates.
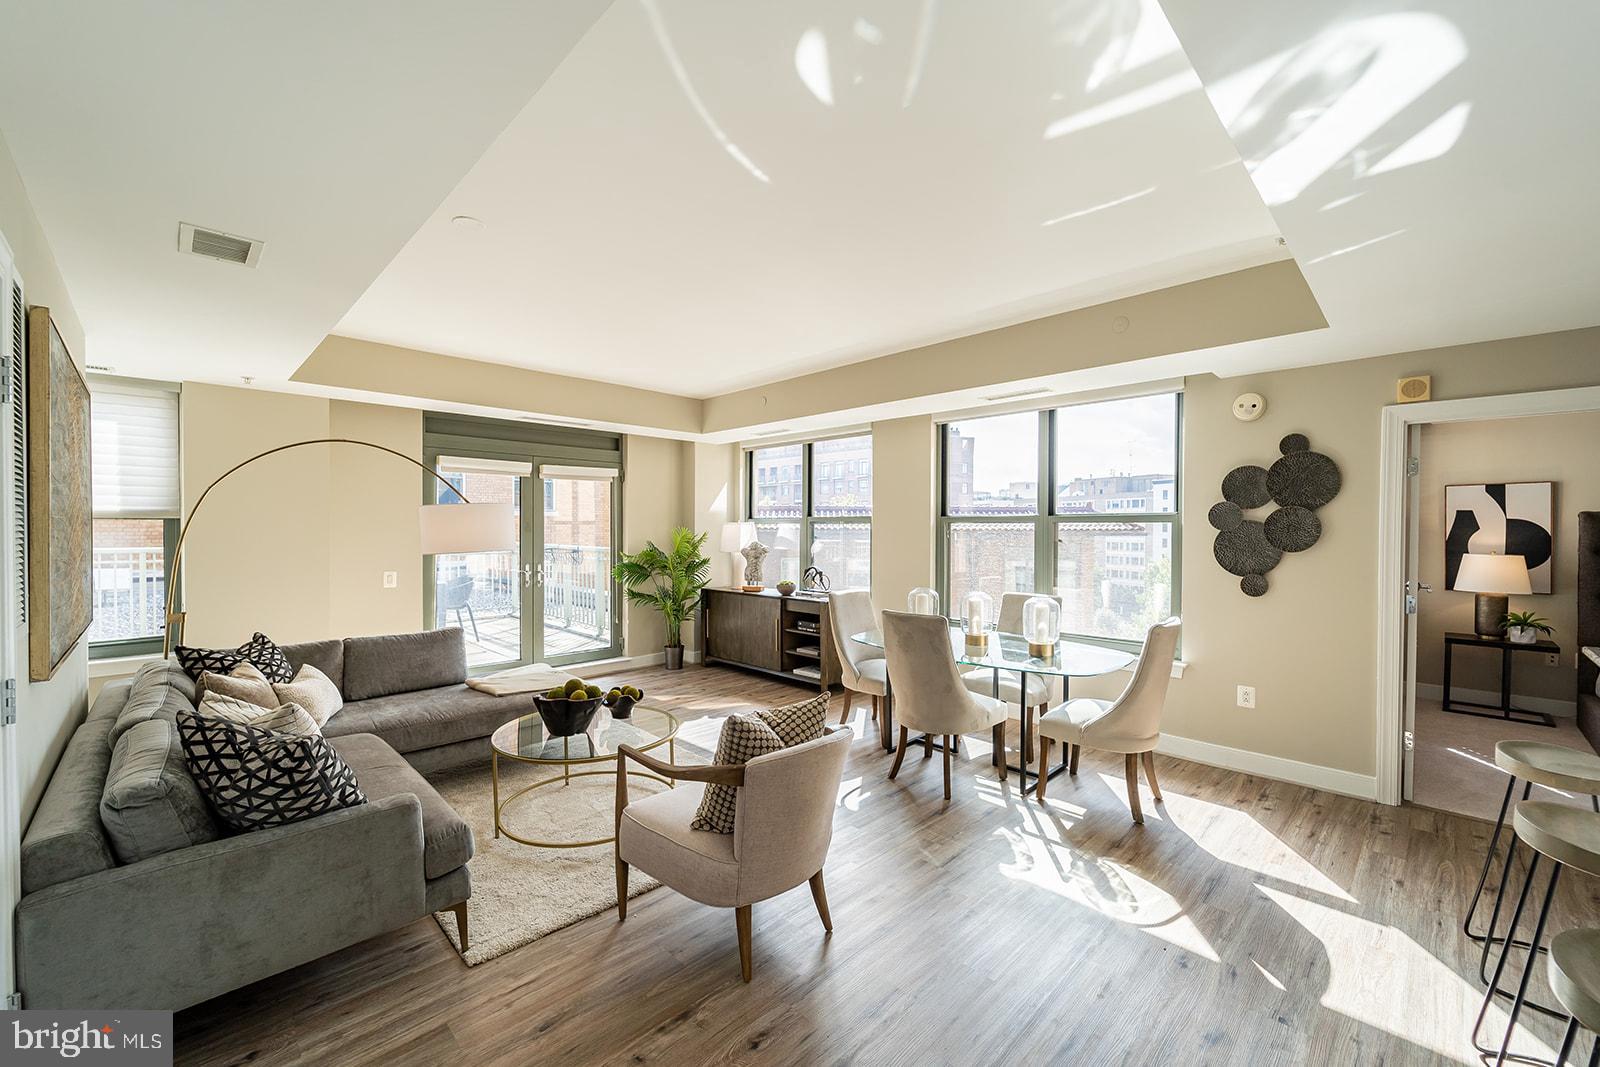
(1247, 922)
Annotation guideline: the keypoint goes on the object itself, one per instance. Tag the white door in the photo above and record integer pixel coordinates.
(1414, 592)
(12, 629)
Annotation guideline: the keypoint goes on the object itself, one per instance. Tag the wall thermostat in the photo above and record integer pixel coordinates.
(1248, 407)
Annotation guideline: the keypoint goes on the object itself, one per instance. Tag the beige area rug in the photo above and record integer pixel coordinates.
(521, 893)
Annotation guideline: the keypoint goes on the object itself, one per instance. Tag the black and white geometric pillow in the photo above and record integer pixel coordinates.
(259, 650)
(744, 737)
(255, 778)
(797, 723)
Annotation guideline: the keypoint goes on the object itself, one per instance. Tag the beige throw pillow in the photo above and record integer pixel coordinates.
(284, 719)
(245, 682)
(312, 690)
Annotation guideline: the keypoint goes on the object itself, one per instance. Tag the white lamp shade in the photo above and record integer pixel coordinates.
(452, 528)
(735, 535)
(1493, 574)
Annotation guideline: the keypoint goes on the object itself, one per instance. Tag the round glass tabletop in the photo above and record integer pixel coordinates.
(527, 739)
(1009, 652)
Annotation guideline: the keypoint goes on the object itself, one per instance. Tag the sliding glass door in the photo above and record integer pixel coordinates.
(552, 598)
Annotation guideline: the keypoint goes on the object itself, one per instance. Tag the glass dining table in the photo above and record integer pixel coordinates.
(1009, 652)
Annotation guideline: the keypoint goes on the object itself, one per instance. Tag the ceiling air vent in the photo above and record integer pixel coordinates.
(213, 244)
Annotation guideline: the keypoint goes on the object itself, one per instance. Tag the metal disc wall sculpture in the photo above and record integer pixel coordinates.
(1299, 483)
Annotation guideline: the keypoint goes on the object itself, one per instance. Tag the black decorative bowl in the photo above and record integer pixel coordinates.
(564, 718)
(622, 707)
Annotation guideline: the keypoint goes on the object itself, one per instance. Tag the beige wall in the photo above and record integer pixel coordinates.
(903, 508)
(711, 498)
(47, 712)
(1547, 448)
(296, 544)
(652, 506)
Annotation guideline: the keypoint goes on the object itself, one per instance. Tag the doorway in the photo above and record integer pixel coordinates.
(1427, 754)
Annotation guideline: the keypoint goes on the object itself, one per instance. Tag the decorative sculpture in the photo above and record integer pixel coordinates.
(755, 555)
(1300, 482)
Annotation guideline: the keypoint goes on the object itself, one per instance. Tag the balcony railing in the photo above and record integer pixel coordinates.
(577, 587)
(130, 591)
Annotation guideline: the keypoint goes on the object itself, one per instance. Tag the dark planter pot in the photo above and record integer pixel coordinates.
(564, 718)
(674, 657)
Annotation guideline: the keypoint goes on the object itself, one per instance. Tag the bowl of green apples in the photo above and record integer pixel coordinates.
(621, 700)
(569, 709)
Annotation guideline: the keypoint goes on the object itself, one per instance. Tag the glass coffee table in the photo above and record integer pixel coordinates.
(527, 741)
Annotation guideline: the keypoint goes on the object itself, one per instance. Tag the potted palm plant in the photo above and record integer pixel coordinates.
(1524, 627)
(669, 581)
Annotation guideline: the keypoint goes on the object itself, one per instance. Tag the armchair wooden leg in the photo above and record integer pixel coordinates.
(900, 753)
(622, 891)
(1150, 773)
(1072, 759)
(844, 714)
(927, 746)
(461, 923)
(949, 746)
(820, 896)
(1044, 768)
(1130, 771)
(742, 917)
(1000, 749)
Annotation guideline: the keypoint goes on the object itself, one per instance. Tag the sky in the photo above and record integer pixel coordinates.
(1133, 436)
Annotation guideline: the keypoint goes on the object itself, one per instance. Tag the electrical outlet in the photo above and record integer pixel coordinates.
(1247, 696)
(1552, 659)
(391, 579)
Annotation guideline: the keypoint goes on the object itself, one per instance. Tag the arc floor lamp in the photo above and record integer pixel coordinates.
(445, 528)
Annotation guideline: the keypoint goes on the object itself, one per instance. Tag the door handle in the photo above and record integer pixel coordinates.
(528, 575)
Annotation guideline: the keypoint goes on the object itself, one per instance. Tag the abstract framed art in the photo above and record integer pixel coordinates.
(60, 504)
(1500, 518)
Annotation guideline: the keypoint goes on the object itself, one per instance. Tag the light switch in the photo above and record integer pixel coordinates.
(391, 579)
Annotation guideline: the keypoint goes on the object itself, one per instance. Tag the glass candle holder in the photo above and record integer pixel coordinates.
(979, 619)
(1041, 625)
(922, 601)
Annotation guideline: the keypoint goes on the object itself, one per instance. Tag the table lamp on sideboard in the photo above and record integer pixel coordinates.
(1492, 578)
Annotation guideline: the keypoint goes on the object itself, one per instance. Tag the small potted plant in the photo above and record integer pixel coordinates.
(1524, 627)
(786, 588)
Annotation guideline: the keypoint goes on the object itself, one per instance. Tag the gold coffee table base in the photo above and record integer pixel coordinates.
(502, 830)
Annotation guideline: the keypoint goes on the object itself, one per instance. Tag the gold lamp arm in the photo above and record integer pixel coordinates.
(183, 533)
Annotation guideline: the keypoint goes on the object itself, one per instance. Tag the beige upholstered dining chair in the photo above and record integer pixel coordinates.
(981, 680)
(782, 829)
(1131, 724)
(929, 693)
(862, 669)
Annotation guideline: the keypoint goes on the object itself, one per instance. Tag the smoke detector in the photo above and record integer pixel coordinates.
(1248, 407)
(214, 244)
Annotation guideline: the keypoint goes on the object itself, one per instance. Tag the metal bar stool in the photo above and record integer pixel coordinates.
(1533, 763)
(1567, 837)
(1575, 978)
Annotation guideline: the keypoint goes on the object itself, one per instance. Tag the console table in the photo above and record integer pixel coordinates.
(787, 637)
(1503, 710)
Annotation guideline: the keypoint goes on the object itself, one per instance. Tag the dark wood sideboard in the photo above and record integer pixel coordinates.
(787, 637)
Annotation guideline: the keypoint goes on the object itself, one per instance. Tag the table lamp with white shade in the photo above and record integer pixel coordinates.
(735, 536)
(1492, 578)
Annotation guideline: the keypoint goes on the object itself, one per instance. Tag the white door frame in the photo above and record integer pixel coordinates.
(11, 636)
(1397, 420)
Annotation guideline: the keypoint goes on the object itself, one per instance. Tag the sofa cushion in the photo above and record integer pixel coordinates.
(313, 691)
(325, 656)
(288, 718)
(403, 663)
(159, 691)
(245, 682)
(151, 804)
(655, 836)
(256, 778)
(428, 718)
(111, 699)
(65, 839)
(383, 772)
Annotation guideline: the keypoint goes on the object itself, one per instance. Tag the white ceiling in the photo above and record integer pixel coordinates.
(1432, 164)
(710, 196)
(329, 131)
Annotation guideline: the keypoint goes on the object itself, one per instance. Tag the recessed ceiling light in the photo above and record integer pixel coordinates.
(468, 222)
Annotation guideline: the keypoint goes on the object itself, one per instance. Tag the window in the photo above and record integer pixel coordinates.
(1098, 527)
(825, 521)
(133, 438)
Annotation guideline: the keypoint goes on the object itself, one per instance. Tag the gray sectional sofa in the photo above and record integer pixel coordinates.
(134, 896)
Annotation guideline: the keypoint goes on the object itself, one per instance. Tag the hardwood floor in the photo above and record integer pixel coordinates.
(1247, 922)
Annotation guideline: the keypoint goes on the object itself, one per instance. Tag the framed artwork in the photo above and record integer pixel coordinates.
(1502, 518)
(60, 504)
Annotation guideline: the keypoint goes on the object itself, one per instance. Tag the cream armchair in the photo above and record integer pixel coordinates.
(862, 669)
(782, 829)
(1131, 724)
(929, 694)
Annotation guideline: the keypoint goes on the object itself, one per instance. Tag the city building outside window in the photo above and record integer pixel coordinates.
(823, 520)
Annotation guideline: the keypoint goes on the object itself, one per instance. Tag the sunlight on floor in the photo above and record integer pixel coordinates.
(1231, 835)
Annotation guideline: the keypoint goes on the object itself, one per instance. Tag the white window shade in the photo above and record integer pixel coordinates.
(577, 474)
(134, 444)
(516, 468)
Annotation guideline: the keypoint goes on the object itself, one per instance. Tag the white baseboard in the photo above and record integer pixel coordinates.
(1566, 709)
(1348, 783)
(631, 663)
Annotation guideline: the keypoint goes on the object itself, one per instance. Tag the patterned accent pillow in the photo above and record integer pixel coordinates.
(260, 650)
(797, 723)
(314, 691)
(255, 778)
(243, 683)
(744, 737)
(287, 718)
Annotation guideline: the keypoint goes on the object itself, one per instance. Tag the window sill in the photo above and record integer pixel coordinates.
(120, 666)
(1178, 667)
